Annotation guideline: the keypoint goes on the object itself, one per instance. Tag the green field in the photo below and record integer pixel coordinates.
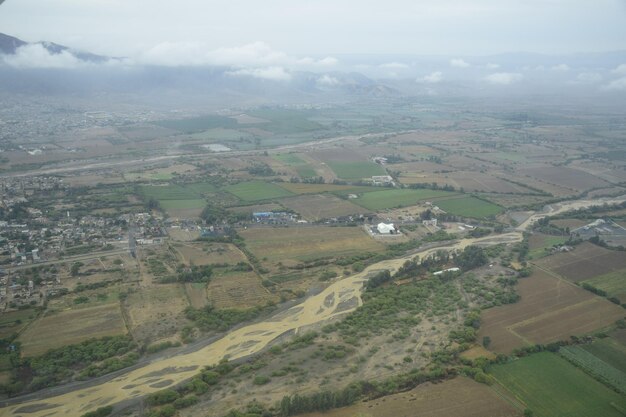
(306, 171)
(201, 187)
(13, 321)
(469, 207)
(168, 192)
(257, 190)
(610, 351)
(290, 159)
(614, 283)
(282, 121)
(220, 134)
(546, 243)
(198, 124)
(378, 200)
(182, 204)
(303, 169)
(552, 387)
(596, 367)
(356, 170)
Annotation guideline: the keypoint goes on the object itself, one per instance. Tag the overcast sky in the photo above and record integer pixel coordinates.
(323, 27)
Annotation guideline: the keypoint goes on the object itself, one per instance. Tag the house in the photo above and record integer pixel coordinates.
(446, 270)
(386, 229)
(430, 222)
(382, 179)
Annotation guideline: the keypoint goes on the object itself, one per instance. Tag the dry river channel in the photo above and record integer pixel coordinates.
(341, 297)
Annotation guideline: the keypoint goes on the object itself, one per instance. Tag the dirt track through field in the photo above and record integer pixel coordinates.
(339, 298)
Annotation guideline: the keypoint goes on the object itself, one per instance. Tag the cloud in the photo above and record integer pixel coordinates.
(329, 61)
(560, 67)
(458, 63)
(621, 69)
(504, 78)
(616, 85)
(327, 81)
(394, 65)
(268, 73)
(431, 78)
(255, 54)
(492, 66)
(36, 56)
(588, 78)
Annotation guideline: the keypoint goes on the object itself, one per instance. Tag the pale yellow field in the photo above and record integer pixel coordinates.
(71, 327)
(306, 243)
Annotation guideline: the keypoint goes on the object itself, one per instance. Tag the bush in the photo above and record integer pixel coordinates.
(165, 396)
(261, 380)
(185, 402)
(100, 412)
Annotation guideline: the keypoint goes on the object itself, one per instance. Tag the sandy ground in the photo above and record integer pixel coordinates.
(564, 206)
(339, 298)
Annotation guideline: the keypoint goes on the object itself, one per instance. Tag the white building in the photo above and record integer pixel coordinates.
(386, 229)
(446, 270)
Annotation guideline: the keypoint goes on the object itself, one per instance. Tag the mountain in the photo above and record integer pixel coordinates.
(10, 44)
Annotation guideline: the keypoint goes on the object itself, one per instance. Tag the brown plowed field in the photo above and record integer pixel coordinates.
(586, 261)
(238, 290)
(550, 309)
(459, 397)
(321, 206)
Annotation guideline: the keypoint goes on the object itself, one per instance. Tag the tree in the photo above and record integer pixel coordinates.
(75, 269)
(486, 341)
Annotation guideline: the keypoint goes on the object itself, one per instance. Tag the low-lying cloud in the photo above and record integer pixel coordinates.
(504, 78)
(327, 81)
(432, 78)
(458, 63)
(268, 73)
(256, 55)
(37, 56)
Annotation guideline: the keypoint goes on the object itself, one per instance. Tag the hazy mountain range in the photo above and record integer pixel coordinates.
(49, 68)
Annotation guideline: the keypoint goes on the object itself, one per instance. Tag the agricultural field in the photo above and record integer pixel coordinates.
(315, 207)
(282, 122)
(12, 322)
(586, 261)
(302, 188)
(596, 367)
(550, 309)
(552, 387)
(307, 243)
(172, 205)
(302, 167)
(237, 290)
(609, 350)
(201, 253)
(392, 198)
(469, 207)
(565, 177)
(473, 181)
(257, 191)
(356, 170)
(459, 397)
(197, 294)
(201, 188)
(167, 192)
(71, 327)
(540, 244)
(613, 283)
(155, 312)
(197, 124)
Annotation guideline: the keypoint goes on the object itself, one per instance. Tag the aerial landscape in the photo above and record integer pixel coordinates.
(206, 212)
